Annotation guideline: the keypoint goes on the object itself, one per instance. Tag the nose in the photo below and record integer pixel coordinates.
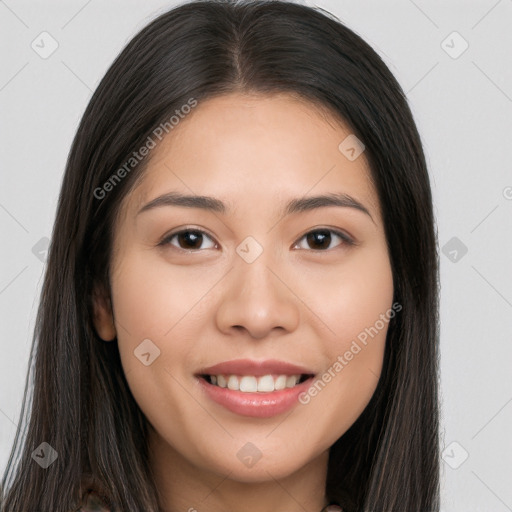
(257, 300)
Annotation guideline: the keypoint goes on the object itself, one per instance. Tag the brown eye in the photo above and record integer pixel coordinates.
(321, 239)
(189, 239)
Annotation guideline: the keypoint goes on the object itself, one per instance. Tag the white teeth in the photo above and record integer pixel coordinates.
(266, 383)
(280, 382)
(291, 381)
(233, 383)
(252, 384)
(248, 384)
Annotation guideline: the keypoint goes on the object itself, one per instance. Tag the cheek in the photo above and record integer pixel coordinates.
(146, 306)
(347, 299)
(167, 305)
(356, 303)
(151, 297)
(152, 306)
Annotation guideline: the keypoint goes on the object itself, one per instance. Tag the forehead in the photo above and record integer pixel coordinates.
(269, 147)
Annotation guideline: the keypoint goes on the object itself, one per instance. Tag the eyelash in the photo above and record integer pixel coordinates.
(346, 240)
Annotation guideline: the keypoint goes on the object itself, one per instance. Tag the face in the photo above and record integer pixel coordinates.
(243, 277)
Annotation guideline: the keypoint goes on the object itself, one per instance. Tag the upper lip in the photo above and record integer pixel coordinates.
(256, 368)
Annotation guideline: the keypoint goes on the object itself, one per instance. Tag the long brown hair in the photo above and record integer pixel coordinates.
(81, 404)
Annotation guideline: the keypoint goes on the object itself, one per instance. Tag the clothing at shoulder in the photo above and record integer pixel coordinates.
(93, 503)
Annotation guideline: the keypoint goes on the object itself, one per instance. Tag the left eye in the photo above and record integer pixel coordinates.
(323, 238)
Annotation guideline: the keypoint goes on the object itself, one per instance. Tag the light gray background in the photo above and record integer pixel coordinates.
(463, 108)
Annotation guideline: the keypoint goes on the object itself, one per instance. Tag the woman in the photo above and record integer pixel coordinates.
(290, 363)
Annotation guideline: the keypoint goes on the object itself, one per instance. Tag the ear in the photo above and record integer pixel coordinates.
(103, 316)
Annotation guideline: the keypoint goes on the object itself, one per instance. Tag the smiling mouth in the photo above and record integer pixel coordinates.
(253, 384)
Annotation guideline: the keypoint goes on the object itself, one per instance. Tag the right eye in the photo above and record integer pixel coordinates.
(187, 239)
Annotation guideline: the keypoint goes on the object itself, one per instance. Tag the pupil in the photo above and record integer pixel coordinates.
(193, 235)
(322, 238)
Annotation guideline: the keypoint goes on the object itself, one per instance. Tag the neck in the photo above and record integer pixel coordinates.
(183, 486)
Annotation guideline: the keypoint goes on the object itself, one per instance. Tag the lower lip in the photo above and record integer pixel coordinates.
(256, 405)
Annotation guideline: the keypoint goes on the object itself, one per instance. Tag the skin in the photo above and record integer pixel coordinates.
(299, 301)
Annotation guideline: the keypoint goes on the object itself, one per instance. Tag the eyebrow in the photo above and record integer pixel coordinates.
(294, 206)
